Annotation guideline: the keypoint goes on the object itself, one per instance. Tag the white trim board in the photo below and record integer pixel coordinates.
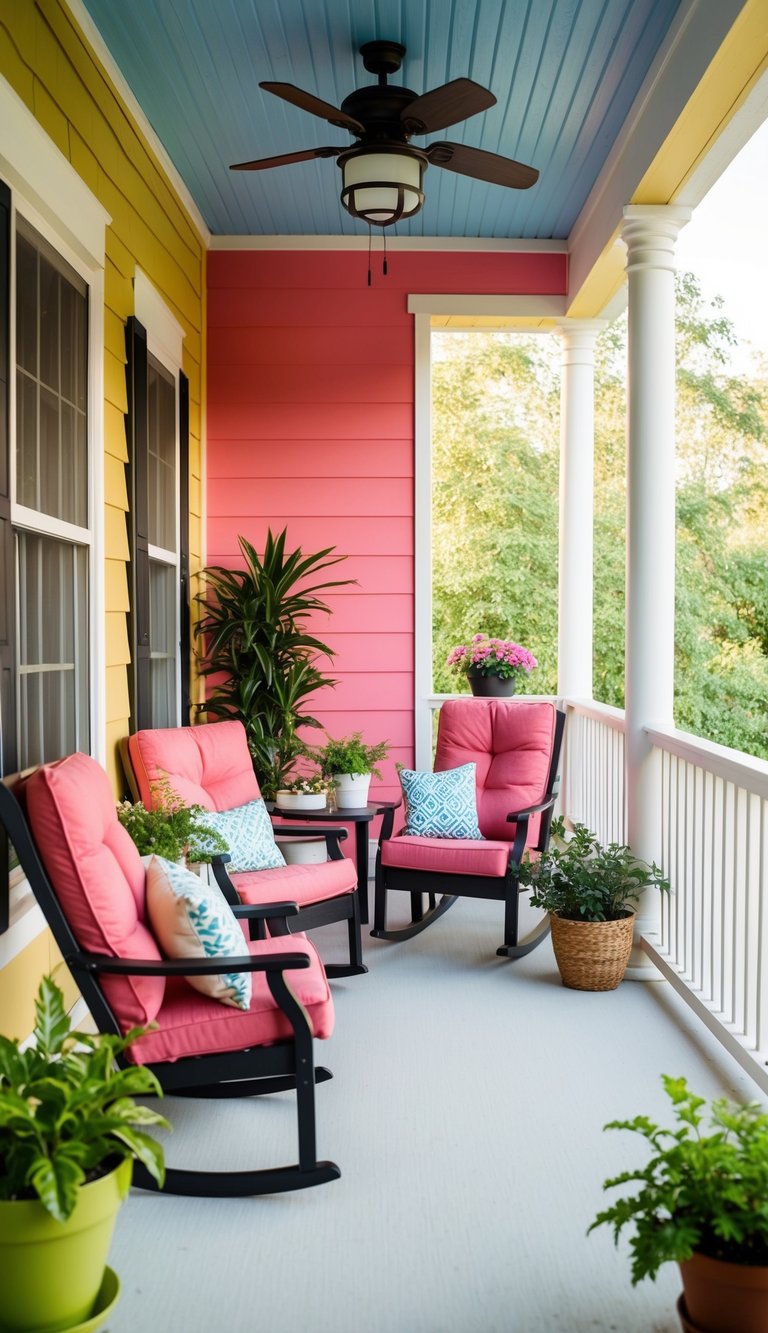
(460, 244)
(31, 164)
(533, 307)
(162, 328)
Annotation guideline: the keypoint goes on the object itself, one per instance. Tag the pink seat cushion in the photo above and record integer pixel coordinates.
(97, 874)
(447, 856)
(297, 884)
(511, 744)
(191, 1024)
(208, 765)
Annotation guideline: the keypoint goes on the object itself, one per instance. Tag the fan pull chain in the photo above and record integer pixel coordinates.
(384, 264)
(369, 254)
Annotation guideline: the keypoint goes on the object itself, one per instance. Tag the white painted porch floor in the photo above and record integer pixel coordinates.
(466, 1115)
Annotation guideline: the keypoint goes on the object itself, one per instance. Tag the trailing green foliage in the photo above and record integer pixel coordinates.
(698, 1192)
(67, 1112)
(258, 653)
(170, 829)
(581, 880)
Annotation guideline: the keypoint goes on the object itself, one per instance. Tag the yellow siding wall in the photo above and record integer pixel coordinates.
(47, 61)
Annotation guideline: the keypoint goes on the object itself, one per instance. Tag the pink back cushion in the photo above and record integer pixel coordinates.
(511, 744)
(98, 876)
(208, 765)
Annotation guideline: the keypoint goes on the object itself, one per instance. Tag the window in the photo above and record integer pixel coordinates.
(162, 493)
(49, 509)
(52, 679)
(157, 430)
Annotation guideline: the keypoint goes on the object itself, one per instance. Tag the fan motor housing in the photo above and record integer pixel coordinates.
(378, 107)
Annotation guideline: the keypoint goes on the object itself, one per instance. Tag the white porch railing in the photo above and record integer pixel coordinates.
(713, 841)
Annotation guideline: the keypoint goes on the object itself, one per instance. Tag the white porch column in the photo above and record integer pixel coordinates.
(577, 450)
(650, 232)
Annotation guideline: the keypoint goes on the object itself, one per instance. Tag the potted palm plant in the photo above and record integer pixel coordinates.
(69, 1132)
(351, 764)
(701, 1201)
(589, 891)
(257, 649)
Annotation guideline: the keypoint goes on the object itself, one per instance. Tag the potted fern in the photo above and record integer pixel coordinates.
(350, 764)
(69, 1133)
(701, 1201)
(589, 891)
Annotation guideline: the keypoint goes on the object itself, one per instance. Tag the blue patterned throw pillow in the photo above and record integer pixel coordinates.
(191, 918)
(247, 831)
(441, 805)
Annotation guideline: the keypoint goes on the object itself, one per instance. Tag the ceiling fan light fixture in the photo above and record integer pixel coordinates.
(381, 187)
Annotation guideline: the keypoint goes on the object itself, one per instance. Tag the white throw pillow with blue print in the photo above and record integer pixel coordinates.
(191, 918)
(247, 831)
(441, 805)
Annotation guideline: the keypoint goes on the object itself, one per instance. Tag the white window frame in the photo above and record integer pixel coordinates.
(543, 311)
(49, 194)
(165, 343)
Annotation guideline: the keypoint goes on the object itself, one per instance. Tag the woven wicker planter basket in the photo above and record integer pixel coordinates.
(592, 955)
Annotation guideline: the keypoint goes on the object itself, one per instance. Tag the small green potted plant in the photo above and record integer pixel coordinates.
(493, 667)
(69, 1133)
(589, 891)
(170, 829)
(303, 792)
(701, 1201)
(350, 763)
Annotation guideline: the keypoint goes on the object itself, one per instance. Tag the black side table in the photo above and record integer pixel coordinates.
(361, 819)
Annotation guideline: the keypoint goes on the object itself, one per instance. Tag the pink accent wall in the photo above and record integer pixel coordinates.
(310, 425)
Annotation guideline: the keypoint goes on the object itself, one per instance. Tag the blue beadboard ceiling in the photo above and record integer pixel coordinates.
(565, 74)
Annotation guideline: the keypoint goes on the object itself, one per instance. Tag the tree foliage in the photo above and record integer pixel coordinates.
(495, 510)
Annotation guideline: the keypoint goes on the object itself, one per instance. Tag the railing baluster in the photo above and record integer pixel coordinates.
(714, 848)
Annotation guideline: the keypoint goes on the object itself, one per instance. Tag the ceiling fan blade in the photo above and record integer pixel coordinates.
(314, 105)
(483, 166)
(284, 159)
(445, 106)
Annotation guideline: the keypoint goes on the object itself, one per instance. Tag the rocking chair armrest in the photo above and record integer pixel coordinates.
(264, 911)
(532, 809)
(312, 831)
(333, 836)
(521, 819)
(185, 967)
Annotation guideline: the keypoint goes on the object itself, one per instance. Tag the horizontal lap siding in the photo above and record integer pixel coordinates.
(311, 426)
(46, 59)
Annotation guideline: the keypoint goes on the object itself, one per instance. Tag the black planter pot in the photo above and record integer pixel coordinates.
(490, 687)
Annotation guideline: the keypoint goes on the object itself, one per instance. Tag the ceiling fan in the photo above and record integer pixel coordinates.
(382, 173)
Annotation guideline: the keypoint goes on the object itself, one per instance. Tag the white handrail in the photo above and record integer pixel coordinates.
(714, 839)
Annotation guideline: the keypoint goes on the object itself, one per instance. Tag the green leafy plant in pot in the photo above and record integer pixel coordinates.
(351, 764)
(256, 648)
(69, 1133)
(589, 891)
(701, 1201)
(170, 829)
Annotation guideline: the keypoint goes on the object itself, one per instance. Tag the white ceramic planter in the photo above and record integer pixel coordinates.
(290, 800)
(352, 790)
(303, 851)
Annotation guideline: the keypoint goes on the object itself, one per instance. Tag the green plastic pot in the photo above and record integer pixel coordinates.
(51, 1272)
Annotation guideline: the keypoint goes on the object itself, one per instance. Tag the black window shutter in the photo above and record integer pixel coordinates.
(138, 526)
(7, 573)
(185, 646)
(7, 562)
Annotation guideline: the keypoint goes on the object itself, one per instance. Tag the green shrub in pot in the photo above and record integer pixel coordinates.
(69, 1132)
(701, 1200)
